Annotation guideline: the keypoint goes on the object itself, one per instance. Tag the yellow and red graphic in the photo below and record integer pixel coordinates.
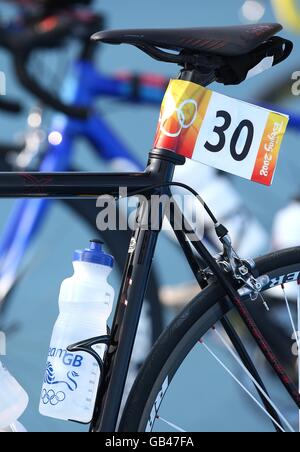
(182, 113)
(268, 153)
(189, 120)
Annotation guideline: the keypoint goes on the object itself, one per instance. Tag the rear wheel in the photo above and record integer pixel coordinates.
(154, 388)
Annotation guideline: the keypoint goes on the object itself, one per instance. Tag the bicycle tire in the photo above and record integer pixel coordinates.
(180, 337)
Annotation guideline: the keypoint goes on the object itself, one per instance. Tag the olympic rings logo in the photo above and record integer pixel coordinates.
(180, 111)
(52, 397)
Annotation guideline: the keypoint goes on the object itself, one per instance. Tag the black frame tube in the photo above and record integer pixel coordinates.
(131, 297)
(71, 185)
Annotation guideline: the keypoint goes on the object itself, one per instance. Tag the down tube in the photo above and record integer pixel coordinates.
(133, 288)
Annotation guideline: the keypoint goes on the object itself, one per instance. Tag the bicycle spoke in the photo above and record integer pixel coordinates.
(264, 302)
(208, 349)
(170, 424)
(258, 386)
(295, 332)
(290, 315)
(13, 428)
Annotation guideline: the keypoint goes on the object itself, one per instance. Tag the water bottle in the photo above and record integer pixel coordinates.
(85, 304)
(13, 402)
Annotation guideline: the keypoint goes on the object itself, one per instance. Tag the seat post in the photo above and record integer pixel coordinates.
(162, 164)
(204, 77)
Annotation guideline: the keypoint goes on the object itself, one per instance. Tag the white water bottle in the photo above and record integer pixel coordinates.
(13, 401)
(85, 303)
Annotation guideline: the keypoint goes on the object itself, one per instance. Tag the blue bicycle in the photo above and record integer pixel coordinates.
(79, 120)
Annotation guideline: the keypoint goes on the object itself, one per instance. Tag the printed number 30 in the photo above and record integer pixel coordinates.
(220, 130)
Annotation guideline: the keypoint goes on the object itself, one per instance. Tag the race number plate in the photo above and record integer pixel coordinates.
(225, 133)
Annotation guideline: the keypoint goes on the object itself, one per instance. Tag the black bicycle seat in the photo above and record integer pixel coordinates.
(223, 41)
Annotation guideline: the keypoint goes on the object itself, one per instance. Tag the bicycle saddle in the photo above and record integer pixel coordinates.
(223, 41)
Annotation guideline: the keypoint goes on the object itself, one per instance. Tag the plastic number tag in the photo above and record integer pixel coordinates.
(221, 132)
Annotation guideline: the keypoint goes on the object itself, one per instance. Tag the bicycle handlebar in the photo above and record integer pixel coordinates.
(29, 83)
(48, 33)
(10, 106)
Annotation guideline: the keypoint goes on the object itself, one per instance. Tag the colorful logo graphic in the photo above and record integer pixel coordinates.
(268, 153)
(182, 113)
(221, 132)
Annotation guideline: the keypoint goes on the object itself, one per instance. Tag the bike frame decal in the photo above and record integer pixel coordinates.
(225, 133)
(157, 404)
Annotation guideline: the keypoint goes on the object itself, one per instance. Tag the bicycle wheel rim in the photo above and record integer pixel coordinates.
(173, 346)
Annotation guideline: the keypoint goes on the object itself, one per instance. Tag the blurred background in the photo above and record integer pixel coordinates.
(32, 308)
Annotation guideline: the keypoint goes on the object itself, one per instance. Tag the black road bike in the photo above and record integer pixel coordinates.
(229, 287)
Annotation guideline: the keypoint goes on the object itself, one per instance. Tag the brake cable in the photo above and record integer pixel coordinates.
(240, 268)
(180, 185)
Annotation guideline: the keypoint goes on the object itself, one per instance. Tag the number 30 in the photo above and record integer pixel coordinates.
(220, 130)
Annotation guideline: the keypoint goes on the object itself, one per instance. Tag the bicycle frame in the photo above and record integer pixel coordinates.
(159, 173)
(89, 85)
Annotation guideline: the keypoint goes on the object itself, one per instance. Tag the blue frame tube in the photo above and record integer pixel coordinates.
(28, 215)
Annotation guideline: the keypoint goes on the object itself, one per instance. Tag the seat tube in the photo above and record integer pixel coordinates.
(134, 283)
